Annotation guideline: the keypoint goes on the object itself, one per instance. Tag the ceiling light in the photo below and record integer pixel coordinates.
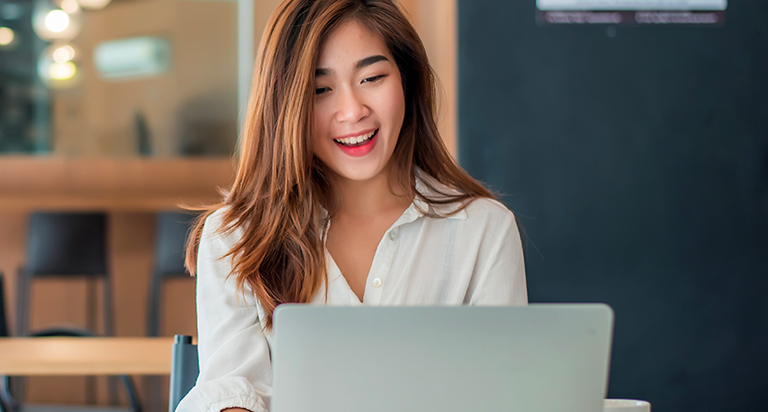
(63, 53)
(51, 22)
(6, 36)
(70, 6)
(93, 4)
(58, 66)
(57, 21)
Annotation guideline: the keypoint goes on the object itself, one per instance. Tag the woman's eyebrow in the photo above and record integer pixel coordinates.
(320, 71)
(370, 60)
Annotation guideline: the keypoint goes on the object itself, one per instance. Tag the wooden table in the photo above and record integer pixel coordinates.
(51, 356)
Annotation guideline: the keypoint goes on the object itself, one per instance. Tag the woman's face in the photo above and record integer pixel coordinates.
(359, 103)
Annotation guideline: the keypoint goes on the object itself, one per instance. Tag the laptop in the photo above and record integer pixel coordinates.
(538, 358)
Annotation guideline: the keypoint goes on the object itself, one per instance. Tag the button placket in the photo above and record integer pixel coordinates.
(382, 262)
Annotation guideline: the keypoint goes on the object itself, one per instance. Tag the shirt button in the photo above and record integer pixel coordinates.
(377, 283)
(392, 235)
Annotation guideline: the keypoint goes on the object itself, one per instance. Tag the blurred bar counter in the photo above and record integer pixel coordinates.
(112, 184)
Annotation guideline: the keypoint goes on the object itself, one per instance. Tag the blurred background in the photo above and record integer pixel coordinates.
(113, 116)
(629, 137)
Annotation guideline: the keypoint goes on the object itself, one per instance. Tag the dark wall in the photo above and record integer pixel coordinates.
(638, 166)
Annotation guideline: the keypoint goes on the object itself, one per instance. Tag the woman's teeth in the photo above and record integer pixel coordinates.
(355, 140)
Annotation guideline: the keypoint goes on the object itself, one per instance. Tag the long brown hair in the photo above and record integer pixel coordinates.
(281, 189)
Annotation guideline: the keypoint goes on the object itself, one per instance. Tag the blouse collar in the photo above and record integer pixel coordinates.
(419, 207)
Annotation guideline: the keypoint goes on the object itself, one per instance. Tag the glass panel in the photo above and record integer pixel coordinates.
(135, 78)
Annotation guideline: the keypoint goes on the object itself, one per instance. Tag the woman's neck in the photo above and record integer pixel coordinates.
(363, 199)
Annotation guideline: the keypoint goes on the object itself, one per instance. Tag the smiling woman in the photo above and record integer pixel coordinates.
(345, 195)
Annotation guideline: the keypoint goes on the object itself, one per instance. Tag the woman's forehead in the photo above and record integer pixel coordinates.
(348, 45)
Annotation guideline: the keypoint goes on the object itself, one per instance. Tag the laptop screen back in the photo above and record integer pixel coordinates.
(539, 358)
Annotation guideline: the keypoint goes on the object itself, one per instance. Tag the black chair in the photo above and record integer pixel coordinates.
(67, 245)
(184, 369)
(171, 229)
(170, 240)
(9, 404)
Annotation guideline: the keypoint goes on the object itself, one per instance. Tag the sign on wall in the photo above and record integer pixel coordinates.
(632, 12)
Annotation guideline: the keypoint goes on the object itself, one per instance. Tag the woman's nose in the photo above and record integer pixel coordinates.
(351, 107)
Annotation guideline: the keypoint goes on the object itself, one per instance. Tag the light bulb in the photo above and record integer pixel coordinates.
(58, 66)
(70, 6)
(93, 4)
(57, 21)
(63, 53)
(51, 22)
(7, 36)
(62, 71)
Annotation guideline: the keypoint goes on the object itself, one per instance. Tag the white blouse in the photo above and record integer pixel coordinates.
(471, 258)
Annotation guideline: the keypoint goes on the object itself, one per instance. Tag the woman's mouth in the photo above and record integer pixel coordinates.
(357, 141)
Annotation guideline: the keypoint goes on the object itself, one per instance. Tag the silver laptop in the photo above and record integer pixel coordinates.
(539, 358)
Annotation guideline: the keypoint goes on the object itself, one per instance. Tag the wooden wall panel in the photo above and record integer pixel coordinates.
(436, 22)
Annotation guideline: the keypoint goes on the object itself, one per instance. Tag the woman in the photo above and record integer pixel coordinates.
(345, 195)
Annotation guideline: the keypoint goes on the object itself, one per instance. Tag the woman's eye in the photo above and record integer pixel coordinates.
(373, 78)
(321, 90)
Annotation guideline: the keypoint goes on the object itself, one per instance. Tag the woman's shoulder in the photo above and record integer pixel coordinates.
(217, 228)
(214, 222)
(488, 209)
(475, 209)
(216, 218)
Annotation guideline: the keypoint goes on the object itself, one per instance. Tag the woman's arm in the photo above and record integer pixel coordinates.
(235, 365)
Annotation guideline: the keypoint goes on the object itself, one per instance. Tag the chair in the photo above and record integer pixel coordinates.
(171, 230)
(9, 404)
(184, 369)
(67, 245)
(170, 241)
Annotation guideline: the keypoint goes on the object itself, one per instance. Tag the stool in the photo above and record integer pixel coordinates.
(67, 245)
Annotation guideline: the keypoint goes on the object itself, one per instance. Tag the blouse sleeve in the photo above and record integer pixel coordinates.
(235, 365)
(499, 277)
